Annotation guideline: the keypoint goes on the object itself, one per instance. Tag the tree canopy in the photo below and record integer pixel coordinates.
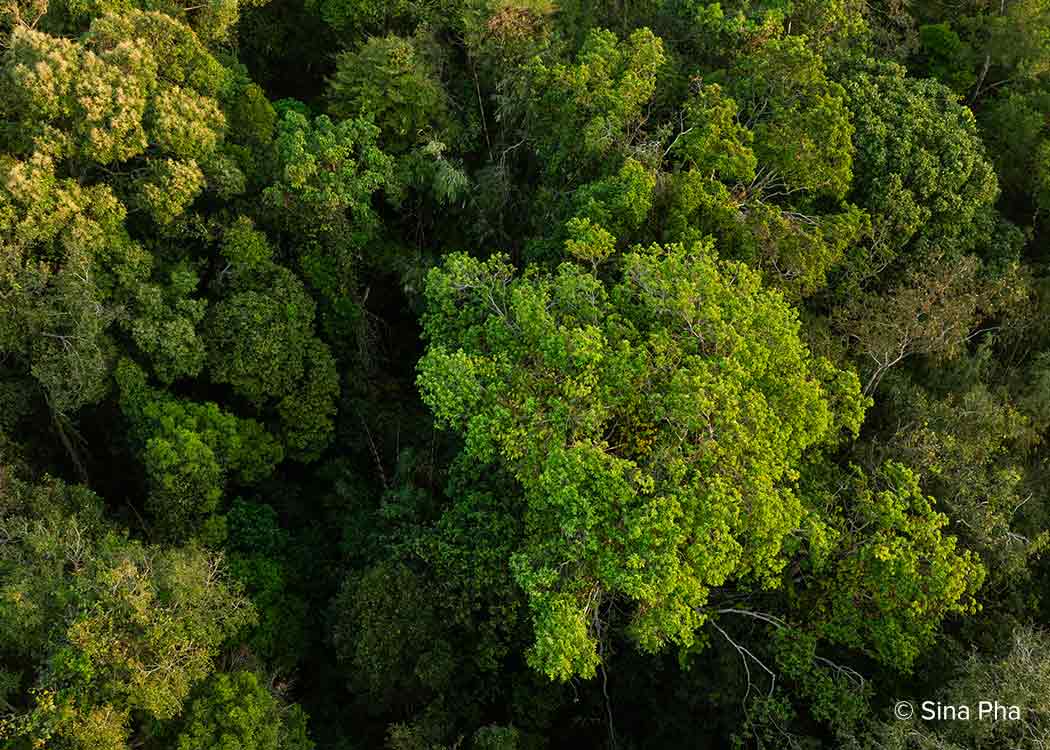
(523, 375)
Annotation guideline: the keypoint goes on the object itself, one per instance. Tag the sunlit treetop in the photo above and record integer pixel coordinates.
(655, 426)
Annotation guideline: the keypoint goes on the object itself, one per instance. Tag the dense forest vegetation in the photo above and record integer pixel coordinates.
(521, 375)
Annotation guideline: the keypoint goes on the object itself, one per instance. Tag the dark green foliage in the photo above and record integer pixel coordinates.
(948, 58)
(523, 375)
(389, 80)
(1015, 128)
(165, 328)
(922, 171)
(259, 559)
(190, 450)
(257, 339)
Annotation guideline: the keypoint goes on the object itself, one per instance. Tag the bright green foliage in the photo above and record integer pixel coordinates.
(327, 174)
(186, 125)
(713, 142)
(100, 131)
(95, 96)
(799, 118)
(169, 612)
(969, 447)
(358, 16)
(796, 251)
(186, 62)
(107, 98)
(191, 450)
(56, 218)
(619, 203)
(245, 247)
(588, 241)
(64, 251)
(722, 31)
(213, 21)
(921, 169)
(167, 189)
(889, 591)
(390, 81)
(655, 427)
(756, 196)
(836, 29)
(615, 206)
(584, 123)
(33, 598)
(800, 252)
(114, 626)
(763, 377)
(235, 712)
(767, 180)
(586, 113)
